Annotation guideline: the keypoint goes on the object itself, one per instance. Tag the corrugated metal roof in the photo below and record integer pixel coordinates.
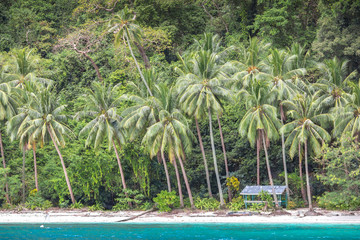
(255, 190)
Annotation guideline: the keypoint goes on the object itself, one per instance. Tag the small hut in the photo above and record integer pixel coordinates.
(250, 194)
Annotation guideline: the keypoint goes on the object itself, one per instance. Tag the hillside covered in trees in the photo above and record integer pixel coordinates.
(117, 104)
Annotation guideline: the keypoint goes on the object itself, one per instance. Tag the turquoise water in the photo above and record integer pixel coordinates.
(179, 231)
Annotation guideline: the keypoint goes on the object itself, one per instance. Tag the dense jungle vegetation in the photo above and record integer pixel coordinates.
(117, 104)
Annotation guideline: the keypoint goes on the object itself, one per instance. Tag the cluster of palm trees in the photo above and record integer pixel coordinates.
(271, 83)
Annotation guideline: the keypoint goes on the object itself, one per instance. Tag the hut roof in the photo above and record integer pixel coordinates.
(255, 190)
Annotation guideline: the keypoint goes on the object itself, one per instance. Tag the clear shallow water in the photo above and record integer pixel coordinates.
(180, 231)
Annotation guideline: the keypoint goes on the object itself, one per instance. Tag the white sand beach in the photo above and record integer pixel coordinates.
(84, 216)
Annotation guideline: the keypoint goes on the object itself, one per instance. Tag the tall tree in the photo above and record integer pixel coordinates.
(306, 130)
(46, 122)
(260, 123)
(202, 91)
(101, 103)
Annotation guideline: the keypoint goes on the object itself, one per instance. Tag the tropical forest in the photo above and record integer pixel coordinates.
(179, 104)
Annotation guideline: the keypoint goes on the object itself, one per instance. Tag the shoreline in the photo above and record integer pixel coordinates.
(182, 216)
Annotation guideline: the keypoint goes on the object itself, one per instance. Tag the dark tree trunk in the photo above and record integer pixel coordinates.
(186, 182)
(95, 66)
(225, 158)
(23, 173)
(178, 183)
(121, 172)
(204, 157)
(284, 159)
(35, 168)
(303, 194)
(258, 147)
(269, 170)
(5, 174)
(307, 178)
(166, 172)
(63, 165)
(143, 54)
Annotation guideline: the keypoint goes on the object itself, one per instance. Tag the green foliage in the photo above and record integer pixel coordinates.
(128, 197)
(77, 205)
(165, 200)
(266, 197)
(236, 204)
(36, 202)
(96, 207)
(207, 203)
(256, 207)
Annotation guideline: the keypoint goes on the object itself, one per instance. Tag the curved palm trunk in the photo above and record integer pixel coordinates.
(178, 183)
(284, 162)
(186, 182)
(63, 165)
(166, 171)
(143, 54)
(23, 174)
(225, 158)
(137, 64)
(269, 171)
(35, 167)
(222, 203)
(307, 178)
(204, 157)
(5, 174)
(258, 142)
(121, 172)
(303, 194)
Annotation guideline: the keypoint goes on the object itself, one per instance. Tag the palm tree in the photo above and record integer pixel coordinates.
(349, 120)
(170, 134)
(7, 110)
(46, 122)
(101, 103)
(332, 85)
(201, 92)
(260, 122)
(281, 70)
(124, 27)
(305, 128)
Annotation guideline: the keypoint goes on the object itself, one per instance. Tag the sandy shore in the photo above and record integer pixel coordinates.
(83, 216)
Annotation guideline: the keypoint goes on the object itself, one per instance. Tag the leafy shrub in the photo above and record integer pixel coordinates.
(256, 207)
(266, 197)
(146, 206)
(236, 204)
(339, 201)
(35, 201)
(233, 183)
(207, 203)
(96, 207)
(291, 205)
(77, 205)
(64, 204)
(135, 198)
(166, 200)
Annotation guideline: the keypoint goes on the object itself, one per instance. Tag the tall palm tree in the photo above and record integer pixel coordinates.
(305, 130)
(170, 134)
(46, 122)
(8, 107)
(349, 120)
(101, 103)
(281, 70)
(124, 27)
(260, 123)
(202, 91)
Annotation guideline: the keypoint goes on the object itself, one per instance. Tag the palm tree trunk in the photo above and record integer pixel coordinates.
(23, 174)
(225, 158)
(284, 162)
(5, 174)
(178, 183)
(258, 142)
(303, 194)
(137, 64)
(204, 157)
(35, 168)
(307, 178)
(269, 171)
(186, 182)
(166, 171)
(222, 203)
(63, 165)
(143, 54)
